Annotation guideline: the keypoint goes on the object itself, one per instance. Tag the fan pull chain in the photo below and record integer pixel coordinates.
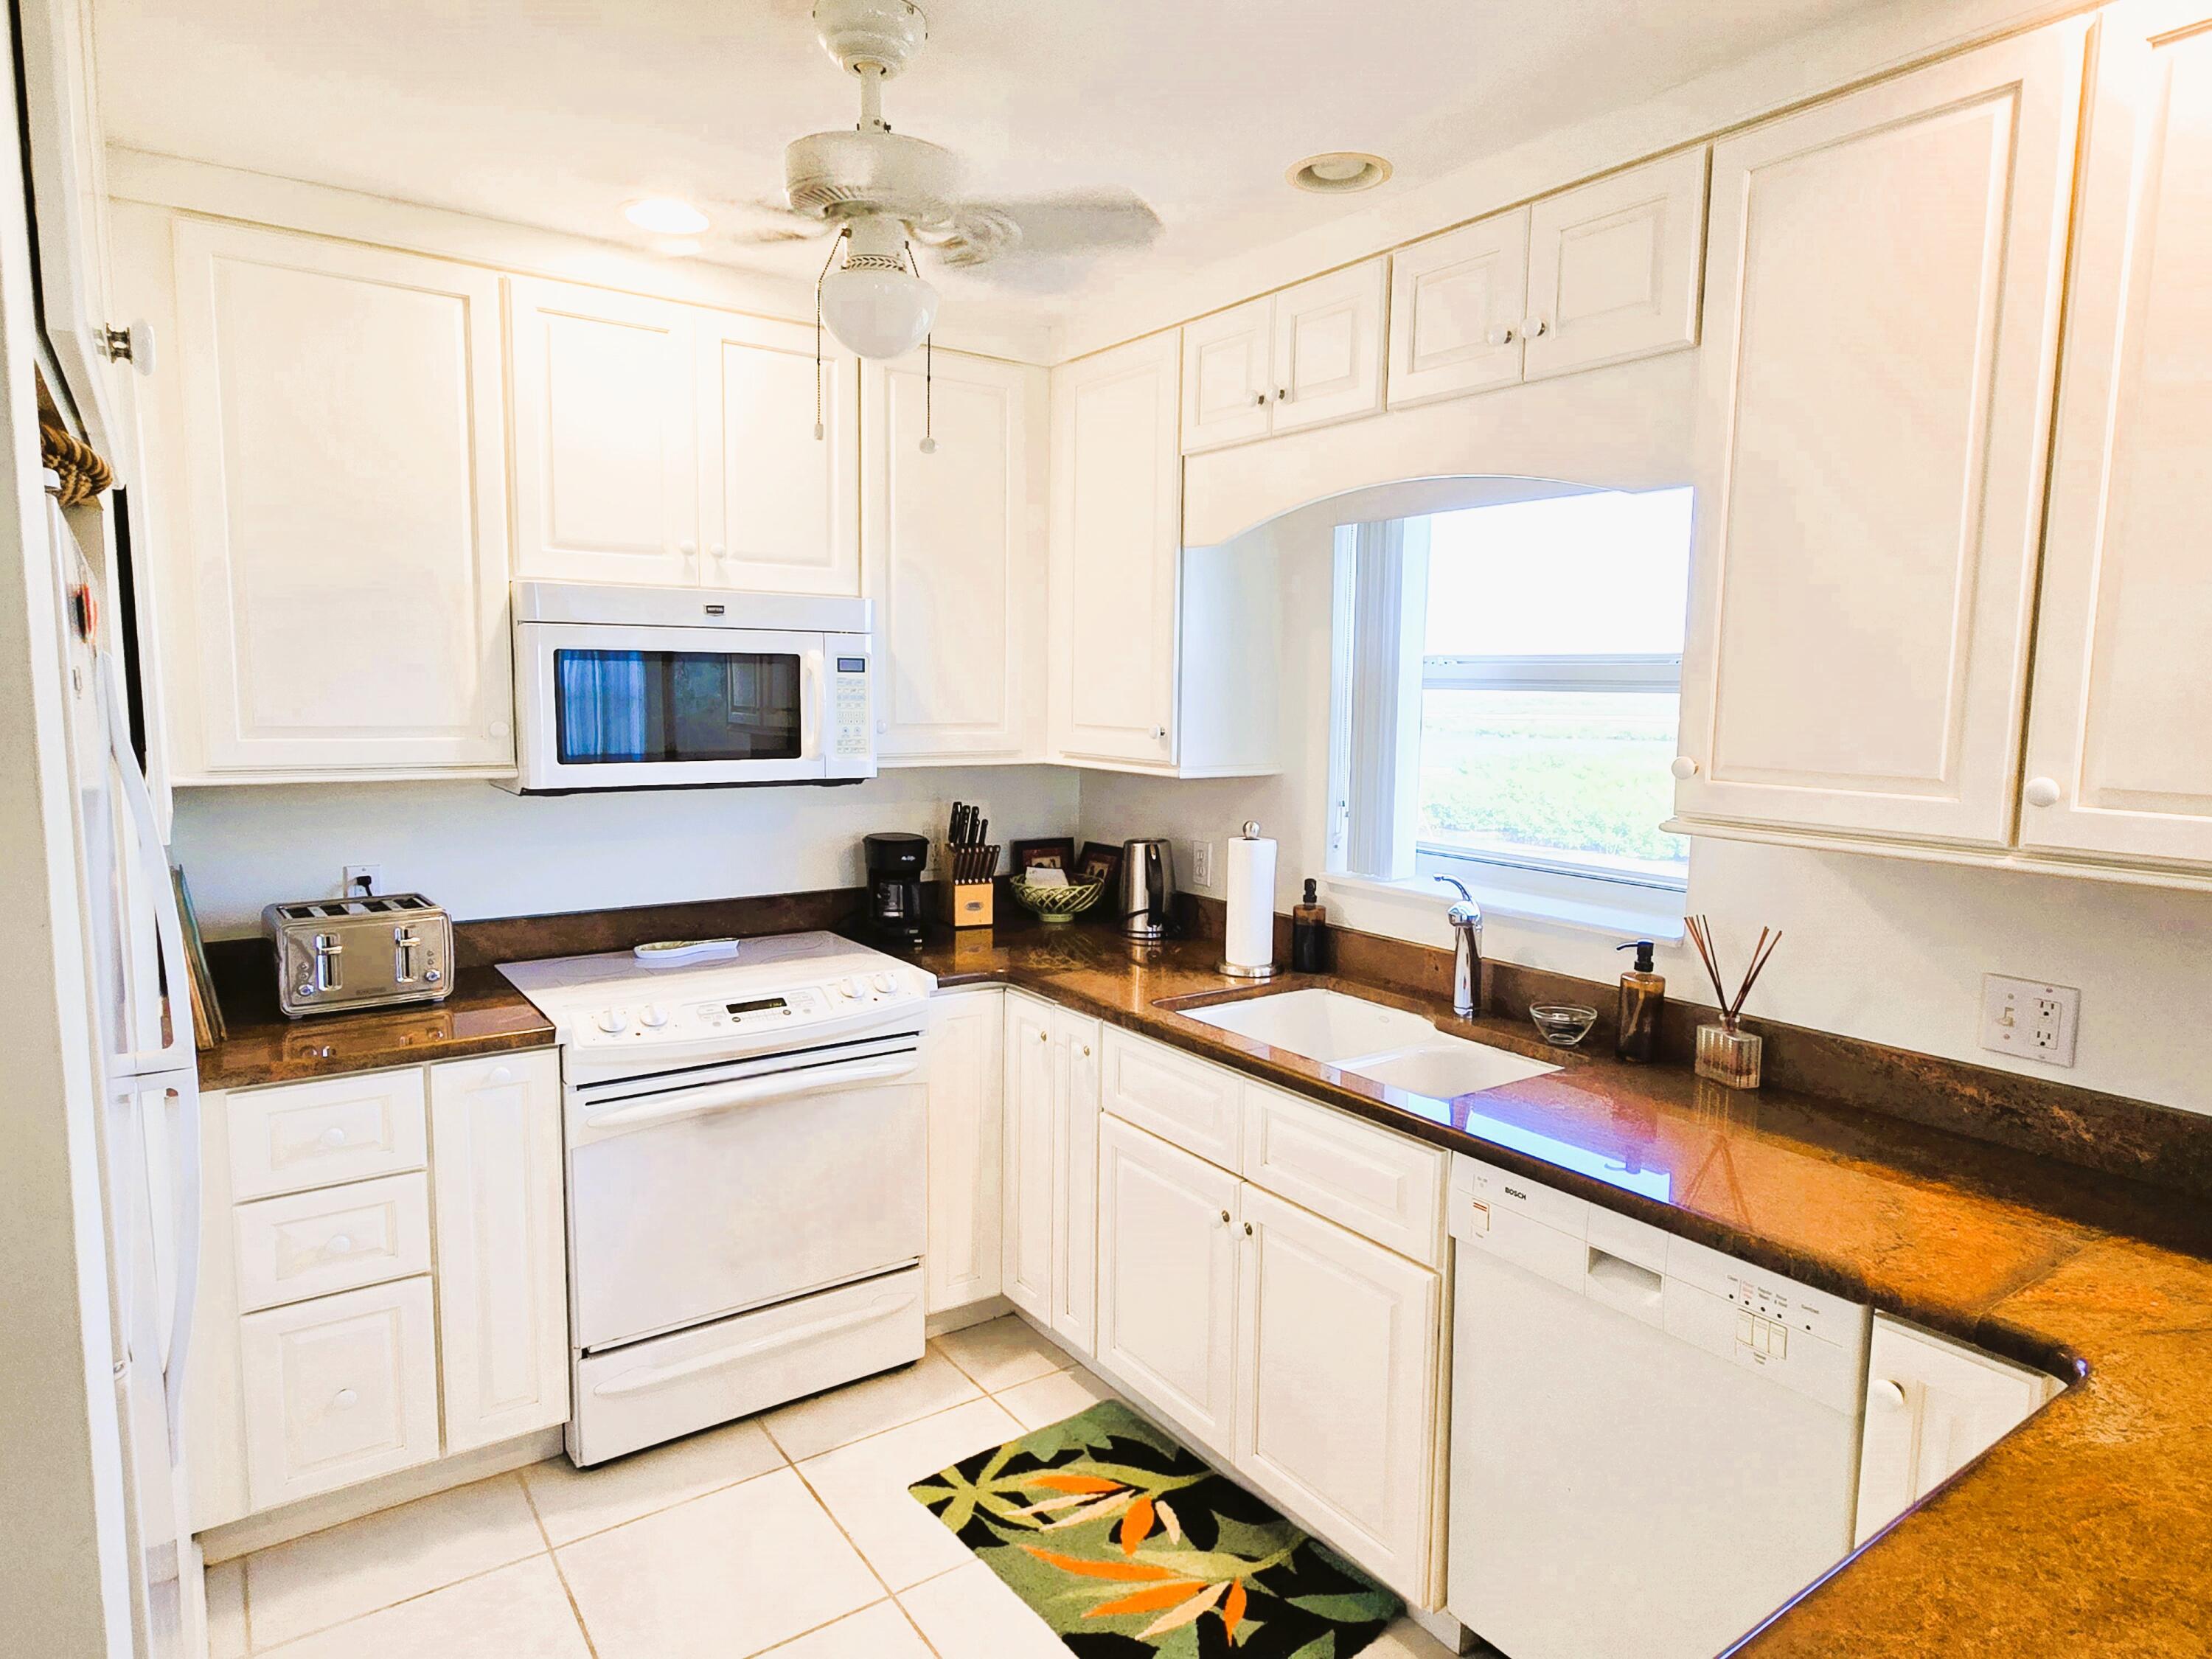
(928, 372)
(836, 243)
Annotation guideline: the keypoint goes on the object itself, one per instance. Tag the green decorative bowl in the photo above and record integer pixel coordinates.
(1058, 904)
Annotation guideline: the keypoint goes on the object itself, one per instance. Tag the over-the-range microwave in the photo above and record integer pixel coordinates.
(687, 688)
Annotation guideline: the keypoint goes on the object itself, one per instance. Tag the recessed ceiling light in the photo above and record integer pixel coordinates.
(1340, 171)
(665, 216)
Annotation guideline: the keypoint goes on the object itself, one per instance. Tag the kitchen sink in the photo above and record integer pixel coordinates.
(1382, 1044)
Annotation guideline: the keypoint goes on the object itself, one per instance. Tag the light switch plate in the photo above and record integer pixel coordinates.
(2030, 1020)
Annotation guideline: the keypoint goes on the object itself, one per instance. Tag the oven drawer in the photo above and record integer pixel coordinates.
(654, 1391)
(337, 1239)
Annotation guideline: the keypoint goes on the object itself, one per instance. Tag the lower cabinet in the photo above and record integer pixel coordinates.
(1167, 1279)
(408, 1301)
(1051, 1167)
(966, 1069)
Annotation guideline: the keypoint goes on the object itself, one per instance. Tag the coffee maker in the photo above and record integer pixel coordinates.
(895, 867)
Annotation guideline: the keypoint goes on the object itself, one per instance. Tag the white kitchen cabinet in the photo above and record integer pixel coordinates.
(338, 1391)
(1458, 303)
(498, 1175)
(1051, 1167)
(2116, 765)
(1932, 1407)
(1167, 1280)
(338, 478)
(781, 508)
(1614, 268)
(1227, 376)
(1188, 1102)
(956, 549)
(340, 1239)
(1337, 1381)
(1881, 321)
(606, 451)
(1330, 347)
(967, 1094)
(1116, 541)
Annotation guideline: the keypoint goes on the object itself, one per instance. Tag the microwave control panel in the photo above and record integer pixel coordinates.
(851, 738)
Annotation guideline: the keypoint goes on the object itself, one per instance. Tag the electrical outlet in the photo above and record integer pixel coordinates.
(357, 873)
(2027, 1018)
(1202, 865)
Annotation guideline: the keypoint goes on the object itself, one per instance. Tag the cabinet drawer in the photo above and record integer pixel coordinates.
(310, 1244)
(1382, 1185)
(322, 1133)
(338, 1391)
(1185, 1102)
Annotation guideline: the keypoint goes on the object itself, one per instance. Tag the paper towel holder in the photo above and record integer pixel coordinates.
(1245, 969)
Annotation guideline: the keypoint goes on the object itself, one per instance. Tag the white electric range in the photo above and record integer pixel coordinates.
(745, 1158)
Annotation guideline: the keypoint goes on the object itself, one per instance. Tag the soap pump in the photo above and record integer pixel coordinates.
(1642, 991)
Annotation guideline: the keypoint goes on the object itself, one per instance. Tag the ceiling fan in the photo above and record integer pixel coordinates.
(879, 192)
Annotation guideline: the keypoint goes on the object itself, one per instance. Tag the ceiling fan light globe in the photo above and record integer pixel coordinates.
(877, 313)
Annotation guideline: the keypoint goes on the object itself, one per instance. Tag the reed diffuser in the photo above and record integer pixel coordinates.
(1726, 1052)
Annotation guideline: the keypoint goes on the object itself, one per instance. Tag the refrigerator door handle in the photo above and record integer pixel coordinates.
(185, 1095)
(177, 1053)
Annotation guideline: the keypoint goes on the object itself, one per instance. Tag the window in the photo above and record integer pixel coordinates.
(1510, 690)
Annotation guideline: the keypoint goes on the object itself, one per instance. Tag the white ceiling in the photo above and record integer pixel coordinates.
(554, 113)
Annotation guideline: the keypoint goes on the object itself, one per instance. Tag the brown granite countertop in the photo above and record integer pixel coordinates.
(2087, 1531)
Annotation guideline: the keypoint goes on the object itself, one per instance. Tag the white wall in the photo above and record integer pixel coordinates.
(1884, 949)
(482, 852)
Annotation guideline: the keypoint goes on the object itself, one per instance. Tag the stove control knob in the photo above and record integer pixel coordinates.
(886, 984)
(846, 987)
(613, 1021)
(653, 1017)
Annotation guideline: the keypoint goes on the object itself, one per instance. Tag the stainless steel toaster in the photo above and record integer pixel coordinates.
(366, 952)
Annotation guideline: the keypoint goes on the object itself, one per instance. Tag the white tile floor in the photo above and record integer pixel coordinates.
(790, 1534)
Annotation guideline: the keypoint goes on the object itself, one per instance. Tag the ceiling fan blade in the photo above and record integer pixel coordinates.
(1042, 228)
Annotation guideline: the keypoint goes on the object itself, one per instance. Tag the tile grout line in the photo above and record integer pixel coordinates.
(560, 1576)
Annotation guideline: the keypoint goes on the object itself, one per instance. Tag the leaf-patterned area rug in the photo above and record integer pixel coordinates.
(1129, 1547)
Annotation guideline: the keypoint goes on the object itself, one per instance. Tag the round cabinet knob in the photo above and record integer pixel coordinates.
(1535, 328)
(1225, 1217)
(1044, 1036)
(1159, 733)
(339, 1244)
(344, 1400)
(499, 1074)
(1683, 768)
(1882, 1392)
(1282, 394)
(1247, 1230)
(1259, 400)
(612, 1020)
(1087, 1051)
(1504, 335)
(334, 1137)
(719, 552)
(497, 728)
(688, 550)
(2041, 791)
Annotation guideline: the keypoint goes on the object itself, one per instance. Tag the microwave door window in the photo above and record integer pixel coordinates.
(639, 708)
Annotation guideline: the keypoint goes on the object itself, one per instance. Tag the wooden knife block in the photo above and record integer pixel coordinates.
(967, 903)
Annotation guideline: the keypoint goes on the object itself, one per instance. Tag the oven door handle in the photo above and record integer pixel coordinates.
(750, 1091)
(649, 1377)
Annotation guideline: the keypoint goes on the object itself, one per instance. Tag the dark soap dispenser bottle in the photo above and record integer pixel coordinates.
(1643, 992)
(1310, 934)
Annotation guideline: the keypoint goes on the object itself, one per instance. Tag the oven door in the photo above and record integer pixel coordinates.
(623, 708)
(733, 1186)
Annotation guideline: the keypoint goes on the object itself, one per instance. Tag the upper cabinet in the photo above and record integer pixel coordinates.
(1602, 274)
(1307, 356)
(665, 443)
(336, 581)
(955, 541)
(1881, 325)
(2117, 767)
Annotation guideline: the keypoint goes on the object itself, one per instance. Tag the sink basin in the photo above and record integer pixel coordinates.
(1382, 1044)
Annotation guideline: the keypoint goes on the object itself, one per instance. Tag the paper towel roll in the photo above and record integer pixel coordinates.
(1249, 942)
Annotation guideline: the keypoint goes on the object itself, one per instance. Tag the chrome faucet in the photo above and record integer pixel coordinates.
(1466, 918)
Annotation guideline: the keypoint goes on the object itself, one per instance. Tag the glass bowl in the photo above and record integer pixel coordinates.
(1562, 1025)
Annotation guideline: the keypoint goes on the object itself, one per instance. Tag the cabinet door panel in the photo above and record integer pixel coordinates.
(1881, 331)
(966, 1064)
(781, 510)
(1451, 296)
(606, 445)
(2126, 619)
(955, 543)
(1117, 517)
(1613, 267)
(346, 504)
(1329, 347)
(1179, 1098)
(1029, 1158)
(1167, 1280)
(1337, 1387)
(1226, 387)
(496, 1166)
(337, 1238)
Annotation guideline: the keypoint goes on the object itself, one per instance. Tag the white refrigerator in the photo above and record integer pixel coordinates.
(146, 1178)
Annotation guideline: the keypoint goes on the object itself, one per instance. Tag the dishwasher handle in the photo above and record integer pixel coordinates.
(1630, 1286)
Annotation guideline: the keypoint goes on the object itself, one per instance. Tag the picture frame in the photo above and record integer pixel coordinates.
(1053, 852)
(1100, 861)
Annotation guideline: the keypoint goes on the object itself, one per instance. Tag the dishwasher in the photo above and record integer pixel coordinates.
(1654, 1447)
